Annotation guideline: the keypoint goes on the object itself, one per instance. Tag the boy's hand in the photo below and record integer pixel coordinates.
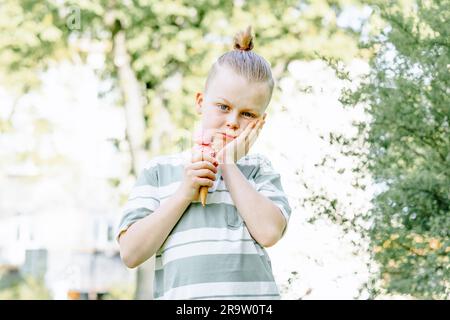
(240, 146)
(200, 172)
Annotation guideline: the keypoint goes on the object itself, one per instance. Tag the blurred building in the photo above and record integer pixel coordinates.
(75, 253)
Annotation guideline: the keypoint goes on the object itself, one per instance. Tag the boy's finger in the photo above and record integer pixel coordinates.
(258, 126)
(203, 165)
(255, 132)
(205, 173)
(250, 138)
(254, 126)
(196, 157)
(248, 129)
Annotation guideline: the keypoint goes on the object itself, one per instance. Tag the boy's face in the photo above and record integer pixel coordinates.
(231, 103)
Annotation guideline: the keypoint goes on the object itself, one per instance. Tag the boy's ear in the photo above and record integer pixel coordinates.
(198, 102)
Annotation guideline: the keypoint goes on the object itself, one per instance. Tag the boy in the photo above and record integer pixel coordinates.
(216, 251)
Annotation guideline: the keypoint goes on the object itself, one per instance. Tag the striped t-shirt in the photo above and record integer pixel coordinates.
(209, 254)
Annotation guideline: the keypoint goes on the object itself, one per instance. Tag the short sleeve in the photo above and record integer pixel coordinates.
(143, 199)
(268, 182)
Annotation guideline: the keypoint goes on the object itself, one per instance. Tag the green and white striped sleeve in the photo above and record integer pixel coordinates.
(268, 182)
(143, 199)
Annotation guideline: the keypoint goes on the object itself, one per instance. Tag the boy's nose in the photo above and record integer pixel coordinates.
(232, 122)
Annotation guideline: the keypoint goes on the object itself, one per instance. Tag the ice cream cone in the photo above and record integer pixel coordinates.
(203, 194)
(211, 146)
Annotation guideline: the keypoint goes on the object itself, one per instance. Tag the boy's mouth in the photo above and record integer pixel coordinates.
(227, 136)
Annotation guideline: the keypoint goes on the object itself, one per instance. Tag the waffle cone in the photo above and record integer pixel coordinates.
(203, 195)
(216, 145)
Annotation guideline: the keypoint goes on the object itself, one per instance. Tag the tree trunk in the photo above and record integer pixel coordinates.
(162, 127)
(135, 134)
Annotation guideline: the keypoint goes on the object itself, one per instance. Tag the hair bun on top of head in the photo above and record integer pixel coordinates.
(243, 40)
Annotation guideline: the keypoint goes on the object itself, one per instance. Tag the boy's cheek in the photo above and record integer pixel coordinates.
(210, 121)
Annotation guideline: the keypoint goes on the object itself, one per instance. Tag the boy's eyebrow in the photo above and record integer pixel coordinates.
(228, 102)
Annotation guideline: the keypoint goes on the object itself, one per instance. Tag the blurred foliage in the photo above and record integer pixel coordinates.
(120, 292)
(28, 288)
(176, 40)
(406, 95)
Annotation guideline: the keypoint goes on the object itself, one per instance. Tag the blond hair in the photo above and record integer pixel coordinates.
(243, 61)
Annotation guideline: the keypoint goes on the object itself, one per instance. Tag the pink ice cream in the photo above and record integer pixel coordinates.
(203, 142)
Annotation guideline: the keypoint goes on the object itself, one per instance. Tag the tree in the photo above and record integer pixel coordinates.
(406, 97)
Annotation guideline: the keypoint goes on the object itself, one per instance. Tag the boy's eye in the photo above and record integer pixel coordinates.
(223, 107)
(248, 115)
